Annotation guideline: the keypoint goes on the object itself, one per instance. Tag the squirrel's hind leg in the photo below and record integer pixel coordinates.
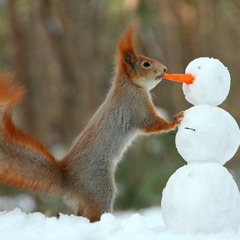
(94, 208)
(91, 210)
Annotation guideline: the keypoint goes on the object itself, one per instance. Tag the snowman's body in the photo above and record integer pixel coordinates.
(202, 196)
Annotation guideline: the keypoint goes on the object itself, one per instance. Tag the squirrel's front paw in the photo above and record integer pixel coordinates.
(178, 118)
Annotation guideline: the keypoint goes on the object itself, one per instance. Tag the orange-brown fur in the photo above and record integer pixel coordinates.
(10, 94)
(86, 174)
(125, 45)
(19, 137)
(15, 145)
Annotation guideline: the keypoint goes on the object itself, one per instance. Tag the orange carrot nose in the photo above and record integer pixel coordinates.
(183, 78)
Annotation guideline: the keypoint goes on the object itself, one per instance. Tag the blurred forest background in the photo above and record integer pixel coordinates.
(63, 52)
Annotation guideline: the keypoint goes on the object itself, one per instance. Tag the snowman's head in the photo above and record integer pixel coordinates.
(211, 83)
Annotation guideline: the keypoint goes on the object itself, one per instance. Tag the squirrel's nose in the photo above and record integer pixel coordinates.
(164, 69)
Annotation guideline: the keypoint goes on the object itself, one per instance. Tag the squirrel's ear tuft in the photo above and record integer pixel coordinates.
(126, 56)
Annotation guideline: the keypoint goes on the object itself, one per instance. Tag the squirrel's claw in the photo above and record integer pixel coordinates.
(178, 118)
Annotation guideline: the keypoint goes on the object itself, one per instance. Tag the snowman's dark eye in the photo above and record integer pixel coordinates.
(146, 64)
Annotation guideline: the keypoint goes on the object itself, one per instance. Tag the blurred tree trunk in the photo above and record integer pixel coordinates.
(59, 62)
(21, 64)
(59, 94)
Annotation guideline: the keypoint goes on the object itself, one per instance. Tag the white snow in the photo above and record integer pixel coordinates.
(211, 84)
(201, 197)
(146, 225)
(207, 134)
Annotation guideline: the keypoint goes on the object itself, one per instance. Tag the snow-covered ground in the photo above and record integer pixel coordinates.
(144, 225)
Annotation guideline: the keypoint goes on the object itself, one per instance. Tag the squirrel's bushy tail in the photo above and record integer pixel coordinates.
(10, 94)
(24, 162)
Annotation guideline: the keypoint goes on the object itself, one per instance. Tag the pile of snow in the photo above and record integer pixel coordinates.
(145, 225)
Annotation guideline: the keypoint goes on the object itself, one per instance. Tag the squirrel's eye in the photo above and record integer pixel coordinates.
(146, 64)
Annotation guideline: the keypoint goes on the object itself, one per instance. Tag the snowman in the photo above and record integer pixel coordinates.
(202, 197)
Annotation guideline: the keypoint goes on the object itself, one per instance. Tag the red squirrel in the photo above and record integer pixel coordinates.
(86, 174)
